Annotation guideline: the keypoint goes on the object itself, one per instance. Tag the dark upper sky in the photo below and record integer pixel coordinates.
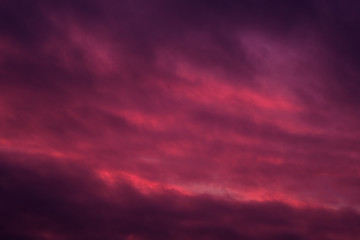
(160, 119)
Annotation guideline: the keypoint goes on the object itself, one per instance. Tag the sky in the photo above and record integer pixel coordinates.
(182, 120)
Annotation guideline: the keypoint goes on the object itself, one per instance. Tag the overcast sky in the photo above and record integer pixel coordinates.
(173, 119)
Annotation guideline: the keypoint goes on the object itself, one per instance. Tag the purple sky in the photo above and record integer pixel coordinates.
(203, 120)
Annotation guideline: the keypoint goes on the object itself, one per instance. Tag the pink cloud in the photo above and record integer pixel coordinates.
(126, 120)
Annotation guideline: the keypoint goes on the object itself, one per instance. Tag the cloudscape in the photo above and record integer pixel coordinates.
(139, 120)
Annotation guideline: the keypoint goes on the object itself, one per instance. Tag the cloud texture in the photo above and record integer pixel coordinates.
(179, 120)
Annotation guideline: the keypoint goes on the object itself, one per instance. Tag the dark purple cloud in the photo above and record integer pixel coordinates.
(63, 201)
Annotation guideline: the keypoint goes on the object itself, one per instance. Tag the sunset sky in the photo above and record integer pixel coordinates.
(179, 120)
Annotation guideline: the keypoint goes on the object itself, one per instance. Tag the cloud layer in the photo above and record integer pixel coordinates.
(179, 120)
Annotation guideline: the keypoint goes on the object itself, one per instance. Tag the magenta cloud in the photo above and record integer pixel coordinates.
(179, 120)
